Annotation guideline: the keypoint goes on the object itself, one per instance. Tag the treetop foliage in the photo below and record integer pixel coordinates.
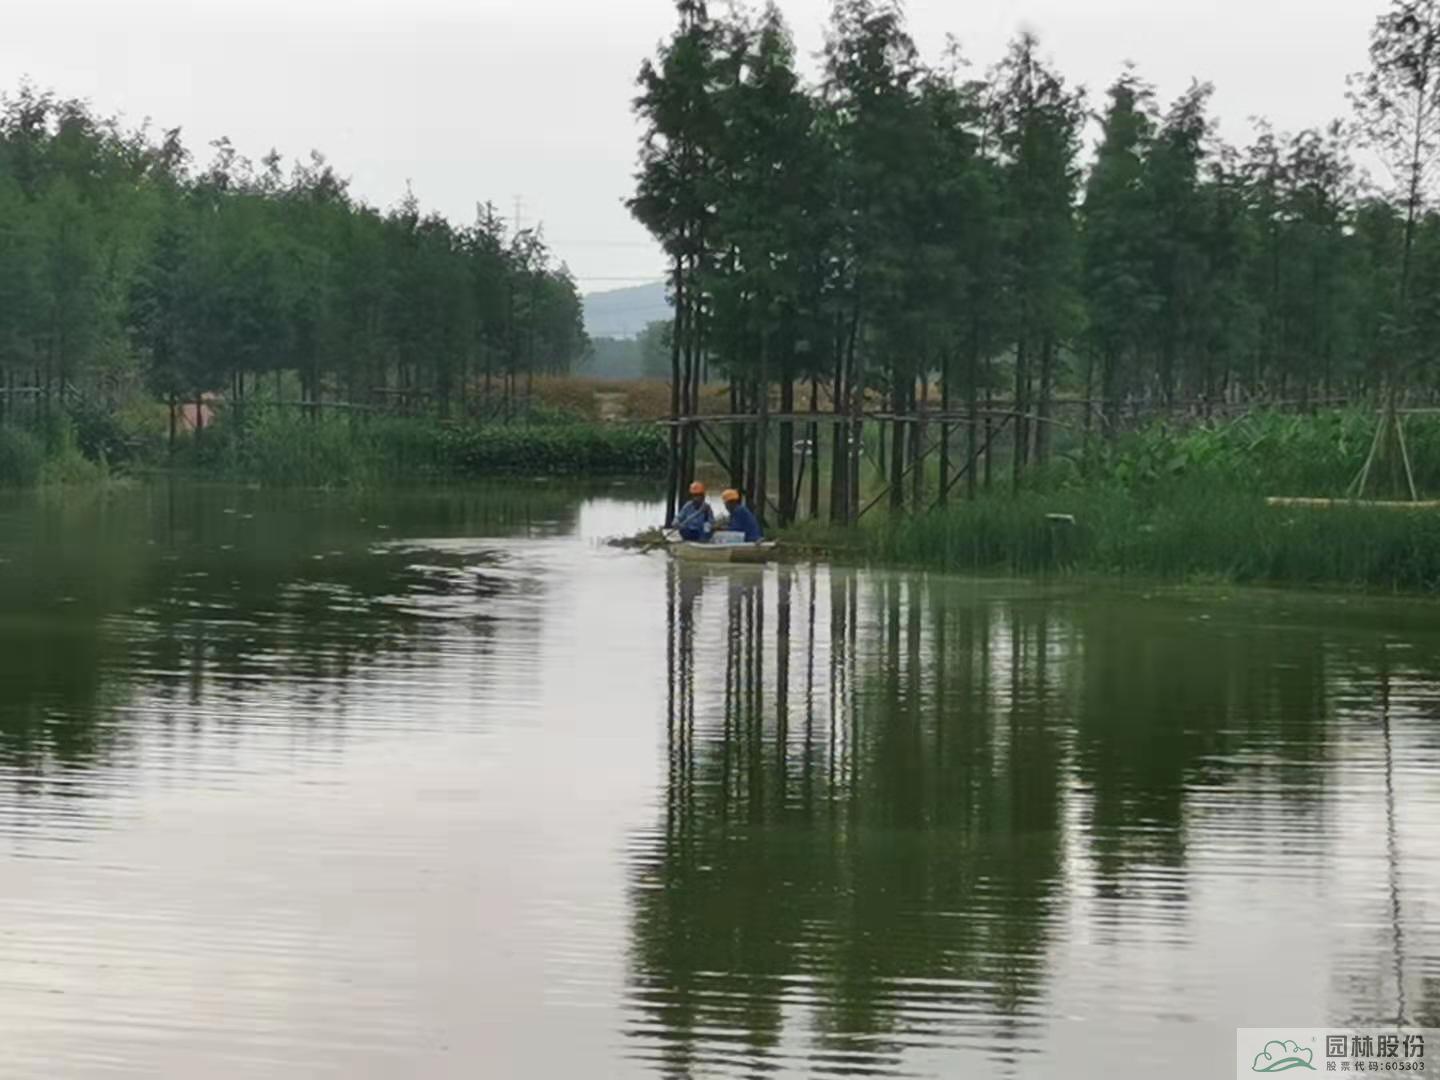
(123, 262)
(894, 221)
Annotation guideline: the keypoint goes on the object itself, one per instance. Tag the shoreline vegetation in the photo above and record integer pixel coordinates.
(1214, 538)
(1034, 354)
(1170, 503)
(294, 447)
(1176, 505)
(1167, 502)
(1193, 505)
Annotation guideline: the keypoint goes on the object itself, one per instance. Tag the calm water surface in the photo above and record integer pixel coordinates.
(437, 785)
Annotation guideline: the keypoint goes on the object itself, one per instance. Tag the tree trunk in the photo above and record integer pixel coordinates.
(787, 452)
(752, 463)
(857, 433)
(1110, 396)
(676, 332)
(972, 437)
(839, 458)
(737, 437)
(687, 436)
(762, 436)
(839, 462)
(690, 397)
(1020, 404)
(1088, 422)
(898, 405)
(917, 443)
(814, 449)
(1042, 423)
(944, 468)
(989, 444)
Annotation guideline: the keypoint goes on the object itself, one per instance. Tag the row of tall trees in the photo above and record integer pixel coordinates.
(896, 229)
(125, 266)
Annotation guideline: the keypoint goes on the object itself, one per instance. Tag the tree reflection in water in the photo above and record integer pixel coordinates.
(893, 801)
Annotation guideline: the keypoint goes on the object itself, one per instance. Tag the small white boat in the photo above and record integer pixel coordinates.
(724, 547)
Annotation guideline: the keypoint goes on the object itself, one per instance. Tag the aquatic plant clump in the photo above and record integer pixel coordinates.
(1265, 452)
(21, 457)
(1197, 532)
(50, 454)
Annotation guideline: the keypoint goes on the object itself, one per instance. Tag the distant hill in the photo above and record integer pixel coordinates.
(623, 313)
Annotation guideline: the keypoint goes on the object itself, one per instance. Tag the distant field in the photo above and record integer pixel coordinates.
(618, 399)
(644, 399)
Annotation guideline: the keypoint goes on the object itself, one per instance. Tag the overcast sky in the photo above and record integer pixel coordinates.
(471, 100)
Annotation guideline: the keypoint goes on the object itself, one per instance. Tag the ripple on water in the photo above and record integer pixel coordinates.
(416, 805)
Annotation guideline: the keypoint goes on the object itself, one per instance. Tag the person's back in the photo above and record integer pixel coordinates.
(743, 519)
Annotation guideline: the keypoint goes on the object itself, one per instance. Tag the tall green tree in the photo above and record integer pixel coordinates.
(1118, 237)
(682, 127)
(1038, 121)
(871, 77)
(1397, 106)
(769, 212)
(1175, 176)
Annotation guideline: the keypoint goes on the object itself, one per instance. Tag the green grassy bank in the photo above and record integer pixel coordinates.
(283, 448)
(1185, 506)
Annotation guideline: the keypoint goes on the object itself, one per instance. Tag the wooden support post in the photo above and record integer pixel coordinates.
(1405, 457)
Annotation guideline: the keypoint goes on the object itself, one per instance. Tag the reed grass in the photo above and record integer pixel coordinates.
(1183, 505)
(1198, 533)
(46, 454)
(21, 456)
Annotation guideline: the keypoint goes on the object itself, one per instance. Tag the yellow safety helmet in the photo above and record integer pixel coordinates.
(731, 495)
(697, 488)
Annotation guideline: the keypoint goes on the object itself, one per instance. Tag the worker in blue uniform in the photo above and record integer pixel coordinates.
(695, 520)
(742, 518)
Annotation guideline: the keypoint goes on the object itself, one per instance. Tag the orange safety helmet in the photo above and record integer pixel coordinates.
(731, 495)
(697, 488)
